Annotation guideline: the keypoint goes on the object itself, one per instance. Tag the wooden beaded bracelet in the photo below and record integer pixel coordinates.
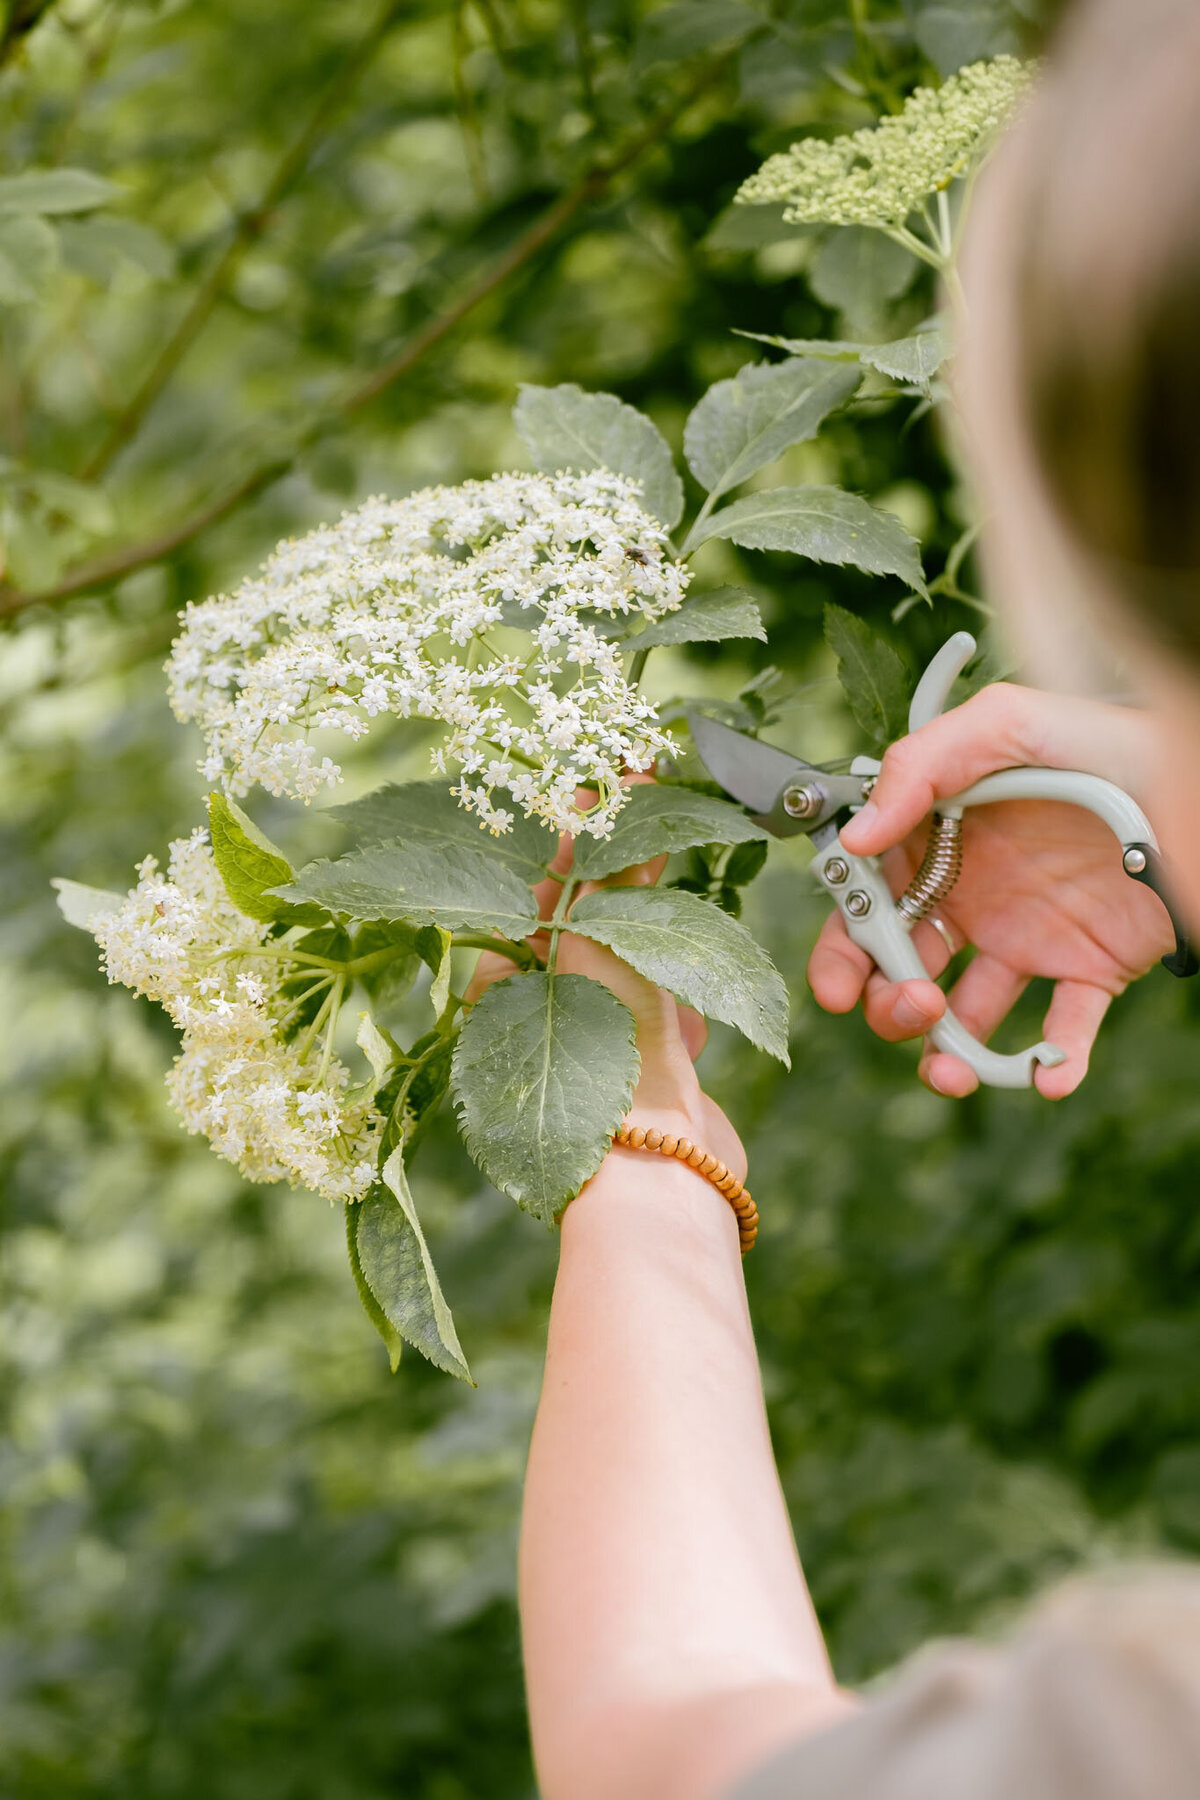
(665, 1143)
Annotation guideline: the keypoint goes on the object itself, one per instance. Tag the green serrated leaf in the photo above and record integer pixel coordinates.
(655, 821)
(393, 1342)
(427, 812)
(55, 191)
(451, 885)
(250, 865)
(825, 524)
(707, 619)
(915, 359)
(543, 1074)
(697, 952)
(83, 906)
(875, 680)
(565, 428)
(743, 864)
(439, 988)
(952, 36)
(399, 1272)
(742, 424)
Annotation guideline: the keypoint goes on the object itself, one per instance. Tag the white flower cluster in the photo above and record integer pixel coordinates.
(881, 174)
(404, 606)
(266, 1105)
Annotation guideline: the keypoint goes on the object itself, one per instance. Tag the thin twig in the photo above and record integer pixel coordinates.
(248, 226)
(591, 186)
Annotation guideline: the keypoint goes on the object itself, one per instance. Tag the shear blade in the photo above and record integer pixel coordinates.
(752, 772)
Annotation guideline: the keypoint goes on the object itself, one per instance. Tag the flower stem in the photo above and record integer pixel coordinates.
(558, 920)
(523, 955)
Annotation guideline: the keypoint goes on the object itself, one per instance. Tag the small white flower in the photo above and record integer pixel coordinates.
(258, 1098)
(403, 607)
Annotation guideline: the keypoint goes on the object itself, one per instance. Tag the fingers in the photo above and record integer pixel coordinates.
(840, 973)
(998, 728)
(1075, 1015)
(981, 999)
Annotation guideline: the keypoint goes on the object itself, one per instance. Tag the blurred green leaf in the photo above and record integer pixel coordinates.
(55, 191)
(672, 33)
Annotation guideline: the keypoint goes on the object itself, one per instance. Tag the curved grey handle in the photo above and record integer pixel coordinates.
(859, 888)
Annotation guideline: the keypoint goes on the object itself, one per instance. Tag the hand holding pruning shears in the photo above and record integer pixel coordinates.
(1044, 887)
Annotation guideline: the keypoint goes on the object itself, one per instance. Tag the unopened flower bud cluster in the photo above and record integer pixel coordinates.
(406, 607)
(262, 1102)
(880, 175)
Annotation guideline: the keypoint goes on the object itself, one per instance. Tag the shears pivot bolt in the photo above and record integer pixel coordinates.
(836, 871)
(868, 786)
(802, 802)
(858, 903)
(1134, 861)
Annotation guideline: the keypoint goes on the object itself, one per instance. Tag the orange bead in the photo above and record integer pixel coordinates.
(669, 1144)
(683, 1149)
(654, 1138)
(637, 1138)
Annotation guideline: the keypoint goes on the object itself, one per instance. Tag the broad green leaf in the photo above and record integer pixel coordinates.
(250, 865)
(742, 424)
(655, 821)
(83, 906)
(565, 428)
(428, 813)
(449, 885)
(28, 256)
(393, 1342)
(543, 1074)
(55, 191)
(399, 1271)
(96, 247)
(671, 34)
(876, 682)
(722, 613)
(825, 524)
(859, 272)
(749, 227)
(705, 958)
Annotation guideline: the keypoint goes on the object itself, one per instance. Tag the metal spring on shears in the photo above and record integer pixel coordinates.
(940, 868)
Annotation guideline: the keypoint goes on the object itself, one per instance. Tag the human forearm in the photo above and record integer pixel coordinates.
(669, 1638)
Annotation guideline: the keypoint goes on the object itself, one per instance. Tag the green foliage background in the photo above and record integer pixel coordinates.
(237, 1557)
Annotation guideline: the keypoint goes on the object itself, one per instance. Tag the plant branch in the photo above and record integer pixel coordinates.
(593, 185)
(20, 17)
(248, 226)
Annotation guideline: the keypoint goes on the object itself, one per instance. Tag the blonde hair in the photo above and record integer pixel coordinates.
(1106, 299)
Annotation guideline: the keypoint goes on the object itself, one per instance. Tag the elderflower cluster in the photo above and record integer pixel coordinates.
(404, 607)
(881, 174)
(263, 1103)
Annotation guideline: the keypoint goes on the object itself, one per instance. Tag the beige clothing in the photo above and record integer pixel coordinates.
(1097, 1699)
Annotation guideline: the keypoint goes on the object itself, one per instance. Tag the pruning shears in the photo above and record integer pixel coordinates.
(790, 797)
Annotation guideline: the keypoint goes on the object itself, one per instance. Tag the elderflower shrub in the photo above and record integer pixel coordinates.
(396, 609)
(880, 175)
(279, 1109)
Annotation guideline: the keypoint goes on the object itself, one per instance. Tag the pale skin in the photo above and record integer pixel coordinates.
(670, 1643)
